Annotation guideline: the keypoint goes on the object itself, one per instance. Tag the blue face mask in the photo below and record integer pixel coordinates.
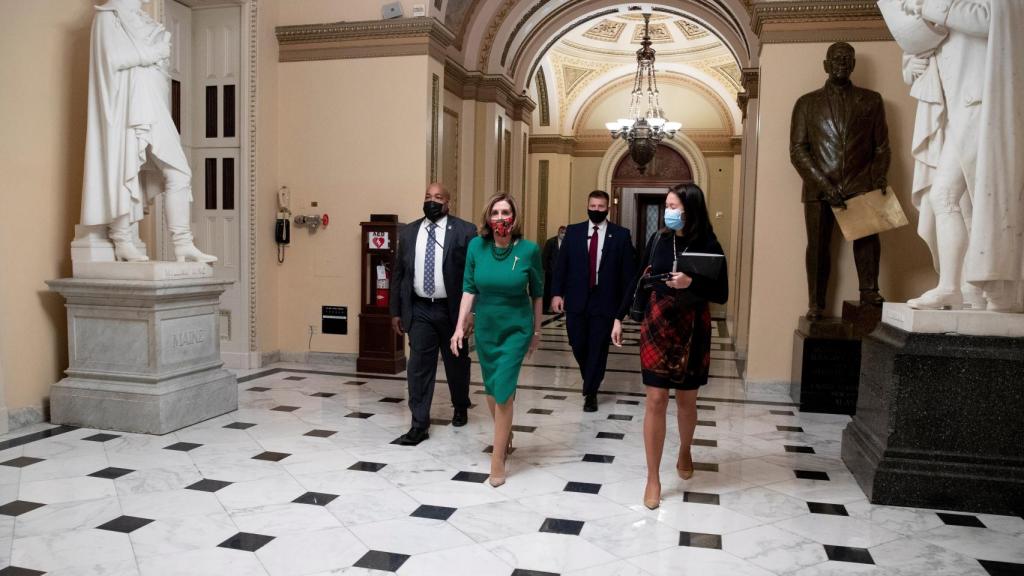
(674, 219)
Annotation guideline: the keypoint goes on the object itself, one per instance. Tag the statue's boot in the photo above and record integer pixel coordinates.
(120, 233)
(1001, 296)
(952, 235)
(177, 208)
(974, 298)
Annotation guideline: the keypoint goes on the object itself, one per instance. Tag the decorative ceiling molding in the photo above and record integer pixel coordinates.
(548, 144)
(542, 96)
(605, 31)
(729, 72)
(750, 80)
(488, 88)
(792, 21)
(692, 30)
(662, 53)
(364, 39)
(659, 33)
(594, 144)
(572, 76)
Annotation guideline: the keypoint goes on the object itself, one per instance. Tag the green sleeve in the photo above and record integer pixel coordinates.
(536, 274)
(469, 276)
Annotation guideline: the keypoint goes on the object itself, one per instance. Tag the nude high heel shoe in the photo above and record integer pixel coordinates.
(685, 472)
(496, 481)
(652, 501)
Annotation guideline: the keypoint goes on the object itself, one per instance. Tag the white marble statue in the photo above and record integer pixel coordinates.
(965, 62)
(133, 151)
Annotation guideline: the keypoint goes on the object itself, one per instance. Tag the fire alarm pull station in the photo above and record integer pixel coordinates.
(334, 319)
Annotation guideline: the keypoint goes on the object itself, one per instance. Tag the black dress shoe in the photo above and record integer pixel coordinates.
(459, 418)
(413, 437)
(590, 402)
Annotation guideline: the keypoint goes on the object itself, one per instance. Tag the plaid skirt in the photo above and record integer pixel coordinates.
(675, 343)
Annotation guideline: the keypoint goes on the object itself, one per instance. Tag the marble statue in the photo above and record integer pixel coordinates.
(839, 143)
(133, 151)
(964, 60)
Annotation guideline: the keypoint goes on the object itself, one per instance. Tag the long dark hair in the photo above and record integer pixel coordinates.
(698, 223)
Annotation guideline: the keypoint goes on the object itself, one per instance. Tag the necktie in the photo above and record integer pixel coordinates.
(428, 260)
(593, 258)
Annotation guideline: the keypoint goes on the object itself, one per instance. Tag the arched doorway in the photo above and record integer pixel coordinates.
(638, 199)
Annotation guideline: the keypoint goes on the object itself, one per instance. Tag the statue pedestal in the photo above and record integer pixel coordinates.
(938, 422)
(144, 355)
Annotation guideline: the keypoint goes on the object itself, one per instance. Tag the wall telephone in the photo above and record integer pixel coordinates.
(282, 227)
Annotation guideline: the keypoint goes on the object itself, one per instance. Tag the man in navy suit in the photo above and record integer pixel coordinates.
(427, 286)
(595, 267)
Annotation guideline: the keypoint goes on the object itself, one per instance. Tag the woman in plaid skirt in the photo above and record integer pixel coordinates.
(675, 335)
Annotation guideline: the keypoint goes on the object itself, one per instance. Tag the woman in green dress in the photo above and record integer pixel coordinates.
(504, 284)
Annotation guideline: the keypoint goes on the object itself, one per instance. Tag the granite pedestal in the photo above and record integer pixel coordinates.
(144, 355)
(939, 413)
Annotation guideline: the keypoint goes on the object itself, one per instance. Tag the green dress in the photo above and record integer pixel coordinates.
(504, 292)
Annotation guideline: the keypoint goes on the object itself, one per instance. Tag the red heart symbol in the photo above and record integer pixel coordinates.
(378, 241)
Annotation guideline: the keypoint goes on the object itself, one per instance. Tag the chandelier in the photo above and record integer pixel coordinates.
(643, 132)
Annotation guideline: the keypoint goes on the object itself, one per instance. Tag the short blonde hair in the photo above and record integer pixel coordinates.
(484, 228)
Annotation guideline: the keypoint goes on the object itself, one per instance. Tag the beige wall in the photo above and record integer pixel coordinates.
(584, 181)
(267, 178)
(329, 153)
(779, 293)
(559, 174)
(44, 55)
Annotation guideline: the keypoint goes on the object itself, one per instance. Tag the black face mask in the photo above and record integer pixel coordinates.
(434, 211)
(597, 216)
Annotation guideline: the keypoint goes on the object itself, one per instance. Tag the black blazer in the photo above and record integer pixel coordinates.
(549, 256)
(572, 272)
(817, 144)
(457, 235)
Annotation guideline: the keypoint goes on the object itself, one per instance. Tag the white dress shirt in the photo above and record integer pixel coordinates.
(602, 228)
(421, 252)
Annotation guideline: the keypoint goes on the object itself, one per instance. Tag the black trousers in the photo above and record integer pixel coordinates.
(431, 331)
(866, 254)
(589, 336)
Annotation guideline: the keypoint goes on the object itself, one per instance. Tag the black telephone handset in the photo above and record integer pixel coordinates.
(283, 231)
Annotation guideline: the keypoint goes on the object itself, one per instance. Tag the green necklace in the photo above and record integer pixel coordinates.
(503, 253)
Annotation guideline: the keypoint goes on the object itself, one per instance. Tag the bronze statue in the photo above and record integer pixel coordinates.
(839, 143)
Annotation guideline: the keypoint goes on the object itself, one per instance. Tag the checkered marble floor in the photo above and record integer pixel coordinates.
(304, 480)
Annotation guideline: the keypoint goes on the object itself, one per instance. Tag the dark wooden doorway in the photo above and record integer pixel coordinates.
(650, 210)
(667, 169)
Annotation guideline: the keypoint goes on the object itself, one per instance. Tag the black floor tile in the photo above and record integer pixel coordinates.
(782, 412)
(701, 498)
(700, 540)
(706, 466)
(19, 507)
(611, 435)
(377, 560)
(433, 512)
(18, 571)
(825, 508)
(101, 437)
(991, 566)
(704, 407)
(366, 466)
(21, 462)
(258, 389)
(476, 477)
(240, 425)
(710, 423)
(207, 485)
(285, 408)
(789, 429)
(625, 417)
(295, 378)
(318, 433)
(705, 442)
(583, 487)
(246, 541)
(554, 397)
(960, 520)
(111, 473)
(490, 450)
(562, 526)
(543, 411)
(29, 438)
(315, 498)
(811, 475)
(392, 400)
(599, 458)
(324, 395)
(354, 382)
(271, 456)
(363, 415)
(848, 554)
(521, 572)
(440, 422)
(628, 402)
(182, 446)
(125, 524)
(525, 429)
(800, 449)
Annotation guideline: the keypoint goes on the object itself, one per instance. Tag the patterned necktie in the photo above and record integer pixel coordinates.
(593, 258)
(428, 260)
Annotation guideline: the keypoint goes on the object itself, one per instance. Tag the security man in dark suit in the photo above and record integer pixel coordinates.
(839, 143)
(595, 267)
(549, 258)
(428, 290)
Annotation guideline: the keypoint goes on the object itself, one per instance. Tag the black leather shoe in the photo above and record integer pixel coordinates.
(459, 418)
(590, 402)
(413, 437)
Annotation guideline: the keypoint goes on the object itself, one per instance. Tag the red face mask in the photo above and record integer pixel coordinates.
(502, 226)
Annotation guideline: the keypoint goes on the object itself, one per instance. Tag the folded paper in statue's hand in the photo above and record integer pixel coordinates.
(870, 213)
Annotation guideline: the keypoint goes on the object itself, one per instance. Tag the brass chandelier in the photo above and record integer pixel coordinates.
(644, 131)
